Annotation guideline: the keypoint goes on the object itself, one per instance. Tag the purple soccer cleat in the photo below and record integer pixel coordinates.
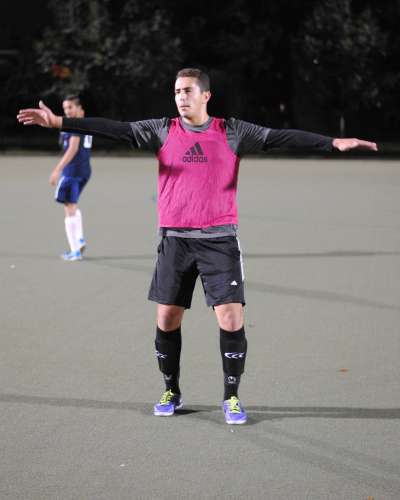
(168, 403)
(234, 412)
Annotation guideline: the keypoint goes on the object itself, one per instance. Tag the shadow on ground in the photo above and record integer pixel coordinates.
(257, 413)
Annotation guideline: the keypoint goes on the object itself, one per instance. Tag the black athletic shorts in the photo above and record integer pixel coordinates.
(218, 261)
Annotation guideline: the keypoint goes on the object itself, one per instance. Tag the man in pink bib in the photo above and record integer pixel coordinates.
(198, 171)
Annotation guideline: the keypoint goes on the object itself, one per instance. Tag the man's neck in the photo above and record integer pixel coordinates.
(196, 121)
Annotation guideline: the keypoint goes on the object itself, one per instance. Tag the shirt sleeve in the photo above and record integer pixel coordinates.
(297, 139)
(150, 134)
(146, 134)
(244, 137)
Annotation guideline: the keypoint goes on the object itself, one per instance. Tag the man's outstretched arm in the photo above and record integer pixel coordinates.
(246, 138)
(42, 116)
(291, 138)
(146, 134)
(103, 127)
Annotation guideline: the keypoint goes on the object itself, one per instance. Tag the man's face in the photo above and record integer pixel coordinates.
(72, 110)
(189, 98)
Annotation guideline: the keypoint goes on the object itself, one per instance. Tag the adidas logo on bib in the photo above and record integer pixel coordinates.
(195, 155)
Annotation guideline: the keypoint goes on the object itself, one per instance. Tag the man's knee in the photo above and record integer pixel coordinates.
(169, 317)
(70, 209)
(230, 316)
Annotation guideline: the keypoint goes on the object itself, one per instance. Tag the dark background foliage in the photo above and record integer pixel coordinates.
(325, 65)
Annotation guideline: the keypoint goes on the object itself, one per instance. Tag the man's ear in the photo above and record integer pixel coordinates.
(207, 95)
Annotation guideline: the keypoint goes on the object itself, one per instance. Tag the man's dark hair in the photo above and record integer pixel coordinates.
(74, 98)
(202, 78)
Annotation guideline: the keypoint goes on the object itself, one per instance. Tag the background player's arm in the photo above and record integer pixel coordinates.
(67, 157)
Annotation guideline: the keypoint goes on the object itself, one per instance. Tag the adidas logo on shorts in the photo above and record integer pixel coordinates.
(195, 155)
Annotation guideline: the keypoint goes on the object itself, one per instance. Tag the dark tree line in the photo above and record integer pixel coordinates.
(330, 65)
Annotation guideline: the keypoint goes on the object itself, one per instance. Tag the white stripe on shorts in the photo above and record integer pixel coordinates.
(58, 187)
(241, 258)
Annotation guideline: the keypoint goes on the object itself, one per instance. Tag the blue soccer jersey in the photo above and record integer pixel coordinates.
(76, 173)
(79, 166)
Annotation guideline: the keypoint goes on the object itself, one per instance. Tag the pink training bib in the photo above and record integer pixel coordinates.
(197, 180)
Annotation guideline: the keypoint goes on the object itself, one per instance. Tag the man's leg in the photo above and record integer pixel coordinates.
(171, 287)
(78, 214)
(168, 344)
(72, 226)
(168, 351)
(67, 193)
(81, 238)
(233, 346)
(70, 209)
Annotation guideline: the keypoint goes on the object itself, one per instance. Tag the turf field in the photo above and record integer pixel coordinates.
(321, 242)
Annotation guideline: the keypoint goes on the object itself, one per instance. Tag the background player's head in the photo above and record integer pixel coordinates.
(192, 92)
(73, 107)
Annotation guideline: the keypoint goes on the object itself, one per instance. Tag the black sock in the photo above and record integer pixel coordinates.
(231, 386)
(168, 352)
(233, 352)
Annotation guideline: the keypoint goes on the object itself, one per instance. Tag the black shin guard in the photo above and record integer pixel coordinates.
(168, 352)
(233, 351)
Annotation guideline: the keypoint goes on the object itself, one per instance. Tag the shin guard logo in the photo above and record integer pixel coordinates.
(161, 355)
(234, 355)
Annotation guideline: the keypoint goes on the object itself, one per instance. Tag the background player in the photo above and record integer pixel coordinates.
(71, 175)
(198, 171)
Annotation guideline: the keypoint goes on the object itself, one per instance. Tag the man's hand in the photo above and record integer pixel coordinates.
(347, 144)
(42, 116)
(54, 177)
